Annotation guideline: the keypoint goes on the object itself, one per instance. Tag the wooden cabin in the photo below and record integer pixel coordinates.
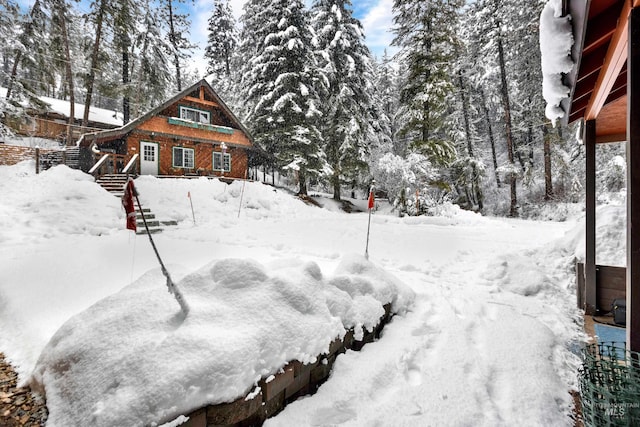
(51, 120)
(192, 134)
(605, 94)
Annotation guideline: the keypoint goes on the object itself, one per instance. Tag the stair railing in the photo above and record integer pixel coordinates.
(96, 170)
(132, 166)
(108, 163)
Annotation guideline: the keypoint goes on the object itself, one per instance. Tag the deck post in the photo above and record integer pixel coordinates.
(590, 220)
(633, 183)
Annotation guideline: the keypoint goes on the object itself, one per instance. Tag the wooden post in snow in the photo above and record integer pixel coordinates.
(633, 183)
(590, 214)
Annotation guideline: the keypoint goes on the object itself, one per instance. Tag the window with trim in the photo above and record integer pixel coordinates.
(183, 157)
(195, 115)
(217, 162)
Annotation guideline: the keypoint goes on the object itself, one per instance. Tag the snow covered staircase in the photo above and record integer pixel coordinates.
(155, 226)
(72, 157)
(113, 183)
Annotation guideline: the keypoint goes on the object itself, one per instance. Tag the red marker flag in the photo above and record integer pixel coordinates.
(372, 200)
(128, 205)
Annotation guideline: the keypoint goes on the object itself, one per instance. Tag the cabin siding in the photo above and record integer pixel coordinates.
(203, 157)
(164, 127)
(161, 125)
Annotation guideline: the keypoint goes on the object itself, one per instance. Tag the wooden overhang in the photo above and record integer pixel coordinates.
(599, 80)
(605, 93)
(201, 86)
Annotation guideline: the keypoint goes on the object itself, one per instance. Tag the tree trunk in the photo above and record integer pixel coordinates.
(475, 184)
(465, 113)
(548, 182)
(513, 208)
(174, 43)
(302, 182)
(125, 82)
(492, 141)
(336, 185)
(65, 40)
(94, 63)
(14, 72)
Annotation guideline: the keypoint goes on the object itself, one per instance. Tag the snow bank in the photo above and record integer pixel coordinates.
(214, 199)
(57, 202)
(131, 359)
(556, 41)
(611, 238)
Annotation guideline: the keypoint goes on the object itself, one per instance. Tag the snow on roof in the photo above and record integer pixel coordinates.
(556, 40)
(61, 106)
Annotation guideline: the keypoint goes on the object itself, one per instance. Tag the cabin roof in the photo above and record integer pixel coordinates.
(123, 130)
(61, 107)
(599, 80)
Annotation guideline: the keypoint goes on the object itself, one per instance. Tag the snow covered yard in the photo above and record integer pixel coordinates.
(488, 339)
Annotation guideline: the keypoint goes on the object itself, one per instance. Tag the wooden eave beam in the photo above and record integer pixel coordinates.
(201, 101)
(585, 87)
(601, 29)
(613, 63)
(592, 62)
(580, 105)
(619, 88)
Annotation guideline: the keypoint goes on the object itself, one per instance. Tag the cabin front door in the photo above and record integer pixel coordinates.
(148, 158)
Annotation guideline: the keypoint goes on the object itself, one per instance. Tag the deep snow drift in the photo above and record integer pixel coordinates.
(134, 359)
(489, 339)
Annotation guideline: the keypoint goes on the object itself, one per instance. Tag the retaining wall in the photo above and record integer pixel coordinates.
(13, 154)
(294, 380)
(45, 157)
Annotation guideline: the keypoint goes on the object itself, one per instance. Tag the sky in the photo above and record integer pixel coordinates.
(375, 15)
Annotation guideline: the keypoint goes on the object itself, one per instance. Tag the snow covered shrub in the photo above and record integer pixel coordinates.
(427, 201)
(402, 176)
(507, 170)
(467, 174)
(615, 174)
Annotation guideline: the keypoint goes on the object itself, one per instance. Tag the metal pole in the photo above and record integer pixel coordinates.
(242, 193)
(191, 202)
(366, 250)
(173, 289)
(370, 199)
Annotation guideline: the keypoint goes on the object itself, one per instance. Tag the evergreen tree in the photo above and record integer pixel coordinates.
(252, 36)
(151, 69)
(282, 88)
(177, 25)
(222, 41)
(488, 30)
(61, 42)
(124, 21)
(383, 138)
(26, 60)
(9, 31)
(220, 51)
(98, 16)
(346, 62)
(424, 32)
(468, 169)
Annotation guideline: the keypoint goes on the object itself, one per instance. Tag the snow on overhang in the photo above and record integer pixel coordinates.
(556, 41)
